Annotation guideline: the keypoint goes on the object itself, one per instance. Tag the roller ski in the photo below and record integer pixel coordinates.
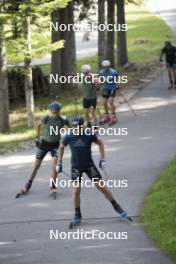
(170, 87)
(113, 120)
(106, 119)
(53, 194)
(76, 221)
(25, 189)
(121, 212)
(124, 215)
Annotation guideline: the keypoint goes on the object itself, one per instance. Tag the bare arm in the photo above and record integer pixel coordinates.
(39, 126)
(61, 152)
(101, 148)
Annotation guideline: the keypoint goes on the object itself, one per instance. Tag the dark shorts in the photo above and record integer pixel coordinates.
(171, 64)
(87, 103)
(92, 173)
(46, 147)
(109, 93)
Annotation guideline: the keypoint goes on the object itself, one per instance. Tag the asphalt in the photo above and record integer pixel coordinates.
(139, 157)
(166, 10)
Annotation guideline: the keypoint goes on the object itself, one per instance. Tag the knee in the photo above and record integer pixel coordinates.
(111, 102)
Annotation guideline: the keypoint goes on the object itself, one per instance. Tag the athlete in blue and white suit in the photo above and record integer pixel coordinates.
(109, 77)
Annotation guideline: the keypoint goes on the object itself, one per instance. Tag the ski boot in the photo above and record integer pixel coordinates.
(75, 221)
(113, 120)
(106, 119)
(53, 193)
(121, 212)
(25, 189)
(125, 216)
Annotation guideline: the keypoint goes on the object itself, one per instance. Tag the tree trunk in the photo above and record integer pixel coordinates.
(122, 54)
(110, 34)
(4, 98)
(101, 34)
(28, 74)
(63, 60)
(71, 41)
(55, 55)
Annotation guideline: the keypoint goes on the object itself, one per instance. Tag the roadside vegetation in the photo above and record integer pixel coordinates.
(159, 213)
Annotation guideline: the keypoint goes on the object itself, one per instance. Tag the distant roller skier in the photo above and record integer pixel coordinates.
(82, 162)
(170, 56)
(109, 91)
(90, 85)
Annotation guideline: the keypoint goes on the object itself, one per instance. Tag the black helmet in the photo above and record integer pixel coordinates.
(168, 43)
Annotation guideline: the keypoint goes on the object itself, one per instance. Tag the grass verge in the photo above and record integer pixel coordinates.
(159, 213)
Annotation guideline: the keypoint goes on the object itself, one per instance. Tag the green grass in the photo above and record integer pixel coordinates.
(142, 25)
(159, 213)
(19, 131)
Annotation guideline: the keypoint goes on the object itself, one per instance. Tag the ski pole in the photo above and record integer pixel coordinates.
(161, 74)
(130, 107)
(105, 173)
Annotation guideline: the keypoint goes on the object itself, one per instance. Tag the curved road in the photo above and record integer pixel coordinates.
(138, 157)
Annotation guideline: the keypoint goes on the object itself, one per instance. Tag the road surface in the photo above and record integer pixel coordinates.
(139, 157)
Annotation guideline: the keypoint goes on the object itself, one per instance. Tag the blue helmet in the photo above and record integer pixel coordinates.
(77, 120)
(55, 106)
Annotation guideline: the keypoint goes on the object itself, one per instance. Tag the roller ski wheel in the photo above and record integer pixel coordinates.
(125, 216)
(25, 189)
(76, 221)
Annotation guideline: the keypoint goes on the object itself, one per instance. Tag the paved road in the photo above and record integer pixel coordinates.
(138, 157)
(86, 48)
(165, 10)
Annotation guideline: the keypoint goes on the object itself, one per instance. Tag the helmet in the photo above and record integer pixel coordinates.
(77, 120)
(167, 42)
(106, 63)
(85, 68)
(55, 106)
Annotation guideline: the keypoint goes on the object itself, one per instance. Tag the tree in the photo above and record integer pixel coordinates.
(64, 60)
(110, 34)
(4, 99)
(122, 54)
(29, 95)
(101, 34)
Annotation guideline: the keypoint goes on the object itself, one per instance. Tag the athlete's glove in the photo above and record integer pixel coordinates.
(59, 167)
(37, 142)
(102, 164)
